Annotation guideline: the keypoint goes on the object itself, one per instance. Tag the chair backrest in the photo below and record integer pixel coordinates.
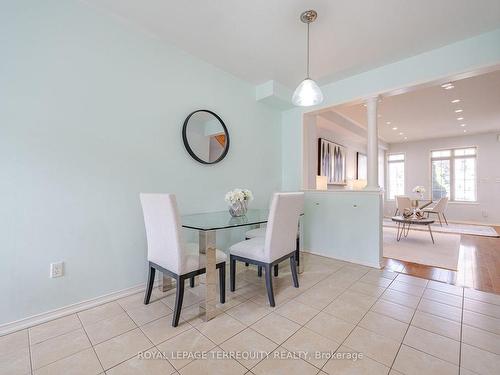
(441, 205)
(163, 230)
(402, 203)
(281, 233)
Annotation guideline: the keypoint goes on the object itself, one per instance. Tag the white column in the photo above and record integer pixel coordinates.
(372, 145)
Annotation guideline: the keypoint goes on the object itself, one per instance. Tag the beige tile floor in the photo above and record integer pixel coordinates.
(395, 323)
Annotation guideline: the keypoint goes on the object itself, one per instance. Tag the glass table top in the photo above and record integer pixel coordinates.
(422, 203)
(223, 219)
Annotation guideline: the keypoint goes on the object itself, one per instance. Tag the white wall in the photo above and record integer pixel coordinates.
(91, 112)
(418, 172)
(320, 127)
(464, 56)
(345, 225)
(327, 130)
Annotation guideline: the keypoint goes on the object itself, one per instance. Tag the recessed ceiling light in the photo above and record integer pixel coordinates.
(460, 118)
(401, 133)
(458, 110)
(465, 130)
(462, 125)
(449, 87)
(445, 85)
(406, 137)
(455, 101)
(388, 123)
(395, 128)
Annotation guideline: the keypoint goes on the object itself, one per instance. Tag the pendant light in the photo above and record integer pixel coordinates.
(308, 92)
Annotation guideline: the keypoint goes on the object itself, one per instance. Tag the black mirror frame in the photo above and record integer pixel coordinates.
(186, 143)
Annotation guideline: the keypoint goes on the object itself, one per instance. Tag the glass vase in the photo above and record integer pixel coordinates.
(238, 209)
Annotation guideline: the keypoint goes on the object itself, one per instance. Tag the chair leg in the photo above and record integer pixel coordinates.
(439, 217)
(232, 274)
(446, 221)
(276, 270)
(179, 296)
(149, 287)
(297, 252)
(259, 271)
(191, 281)
(269, 285)
(293, 268)
(222, 283)
(396, 212)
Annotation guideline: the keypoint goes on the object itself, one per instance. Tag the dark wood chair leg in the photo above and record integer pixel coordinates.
(191, 281)
(297, 253)
(276, 270)
(446, 221)
(179, 296)
(259, 271)
(293, 268)
(232, 273)
(222, 283)
(269, 285)
(149, 287)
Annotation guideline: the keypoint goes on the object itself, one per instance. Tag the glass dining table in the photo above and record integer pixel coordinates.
(207, 224)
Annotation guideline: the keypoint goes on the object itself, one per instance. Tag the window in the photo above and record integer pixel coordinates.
(454, 174)
(396, 175)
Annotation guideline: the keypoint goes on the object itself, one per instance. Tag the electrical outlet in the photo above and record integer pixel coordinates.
(56, 269)
(485, 213)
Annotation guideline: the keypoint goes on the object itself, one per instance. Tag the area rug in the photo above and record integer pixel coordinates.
(418, 248)
(476, 230)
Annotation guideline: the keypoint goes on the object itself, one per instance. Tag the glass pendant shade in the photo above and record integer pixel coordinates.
(307, 94)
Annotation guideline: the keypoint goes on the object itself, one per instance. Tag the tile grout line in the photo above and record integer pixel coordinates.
(92, 346)
(357, 324)
(408, 328)
(322, 311)
(29, 350)
(136, 327)
(249, 326)
(67, 356)
(302, 325)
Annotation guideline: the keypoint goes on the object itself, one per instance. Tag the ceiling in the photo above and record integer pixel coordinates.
(261, 40)
(429, 112)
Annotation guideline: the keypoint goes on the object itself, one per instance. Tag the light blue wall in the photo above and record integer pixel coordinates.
(464, 56)
(90, 115)
(91, 112)
(344, 225)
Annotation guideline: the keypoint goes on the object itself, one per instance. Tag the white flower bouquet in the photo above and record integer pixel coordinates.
(419, 190)
(238, 195)
(238, 201)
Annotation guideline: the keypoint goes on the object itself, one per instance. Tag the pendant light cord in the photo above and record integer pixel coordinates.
(307, 76)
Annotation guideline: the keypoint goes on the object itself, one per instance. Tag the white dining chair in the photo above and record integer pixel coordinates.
(402, 203)
(438, 209)
(277, 245)
(261, 232)
(169, 254)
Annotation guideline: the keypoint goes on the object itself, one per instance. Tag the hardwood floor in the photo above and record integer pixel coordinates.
(478, 265)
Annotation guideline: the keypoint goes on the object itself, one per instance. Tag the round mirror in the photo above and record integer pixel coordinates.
(205, 136)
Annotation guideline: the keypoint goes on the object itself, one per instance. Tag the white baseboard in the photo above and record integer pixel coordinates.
(68, 310)
(349, 260)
